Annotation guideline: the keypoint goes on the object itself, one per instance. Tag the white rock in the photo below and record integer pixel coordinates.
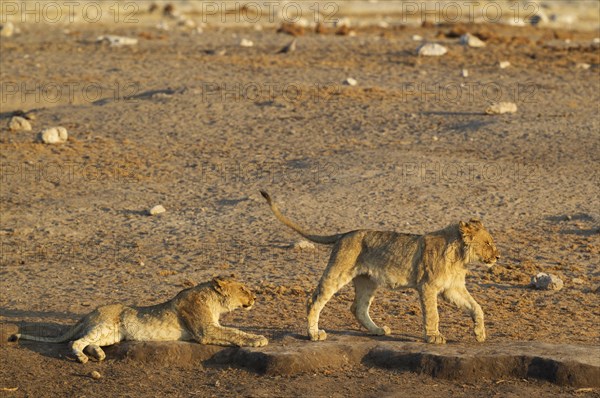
(501, 107)
(158, 209)
(350, 82)
(246, 43)
(94, 374)
(162, 25)
(471, 41)
(431, 50)
(583, 65)
(303, 245)
(596, 40)
(54, 135)
(18, 123)
(7, 29)
(504, 64)
(465, 73)
(417, 37)
(117, 41)
(543, 281)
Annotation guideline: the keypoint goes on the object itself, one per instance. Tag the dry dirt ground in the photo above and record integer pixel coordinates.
(175, 121)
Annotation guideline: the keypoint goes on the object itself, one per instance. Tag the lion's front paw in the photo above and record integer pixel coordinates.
(319, 335)
(383, 331)
(257, 341)
(480, 333)
(435, 339)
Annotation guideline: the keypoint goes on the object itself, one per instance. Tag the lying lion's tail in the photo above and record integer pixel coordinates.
(323, 239)
(67, 336)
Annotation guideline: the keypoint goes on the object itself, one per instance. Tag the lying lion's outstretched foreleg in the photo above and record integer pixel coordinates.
(220, 335)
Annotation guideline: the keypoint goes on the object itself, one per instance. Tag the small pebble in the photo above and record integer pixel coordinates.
(417, 37)
(465, 73)
(7, 29)
(577, 281)
(158, 209)
(117, 41)
(583, 65)
(95, 375)
(431, 50)
(471, 41)
(18, 123)
(504, 64)
(501, 108)
(350, 82)
(303, 245)
(246, 43)
(54, 135)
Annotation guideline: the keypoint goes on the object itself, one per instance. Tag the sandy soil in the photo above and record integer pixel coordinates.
(409, 148)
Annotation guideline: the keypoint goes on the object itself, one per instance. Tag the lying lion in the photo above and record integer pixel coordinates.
(433, 263)
(191, 315)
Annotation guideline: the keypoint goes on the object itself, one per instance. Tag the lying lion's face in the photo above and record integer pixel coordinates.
(237, 294)
(479, 241)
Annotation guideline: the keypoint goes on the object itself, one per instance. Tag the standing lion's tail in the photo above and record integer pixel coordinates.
(323, 239)
(67, 336)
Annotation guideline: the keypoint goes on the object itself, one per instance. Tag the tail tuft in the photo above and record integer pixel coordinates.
(15, 337)
(266, 196)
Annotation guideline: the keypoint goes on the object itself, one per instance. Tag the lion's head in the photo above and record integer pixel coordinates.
(235, 293)
(479, 242)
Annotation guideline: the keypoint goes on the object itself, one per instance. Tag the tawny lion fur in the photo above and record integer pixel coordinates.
(433, 263)
(193, 314)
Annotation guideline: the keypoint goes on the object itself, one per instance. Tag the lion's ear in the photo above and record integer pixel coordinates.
(466, 232)
(219, 285)
(476, 223)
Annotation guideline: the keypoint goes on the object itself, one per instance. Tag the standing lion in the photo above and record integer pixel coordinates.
(433, 264)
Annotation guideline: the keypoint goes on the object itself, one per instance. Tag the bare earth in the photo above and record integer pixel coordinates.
(408, 149)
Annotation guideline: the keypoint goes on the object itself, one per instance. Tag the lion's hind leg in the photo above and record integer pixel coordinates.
(92, 340)
(339, 272)
(364, 289)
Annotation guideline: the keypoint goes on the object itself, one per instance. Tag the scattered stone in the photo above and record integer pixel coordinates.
(293, 29)
(54, 135)
(117, 41)
(583, 65)
(596, 40)
(291, 47)
(350, 82)
(169, 11)
(7, 29)
(158, 209)
(417, 37)
(246, 43)
(303, 245)
(94, 374)
(577, 281)
(344, 30)
(465, 73)
(504, 64)
(162, 25)
(186, 23)
(543, 281)
(431, 50)
(18, 123)
(471, 41)
(501, 108)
